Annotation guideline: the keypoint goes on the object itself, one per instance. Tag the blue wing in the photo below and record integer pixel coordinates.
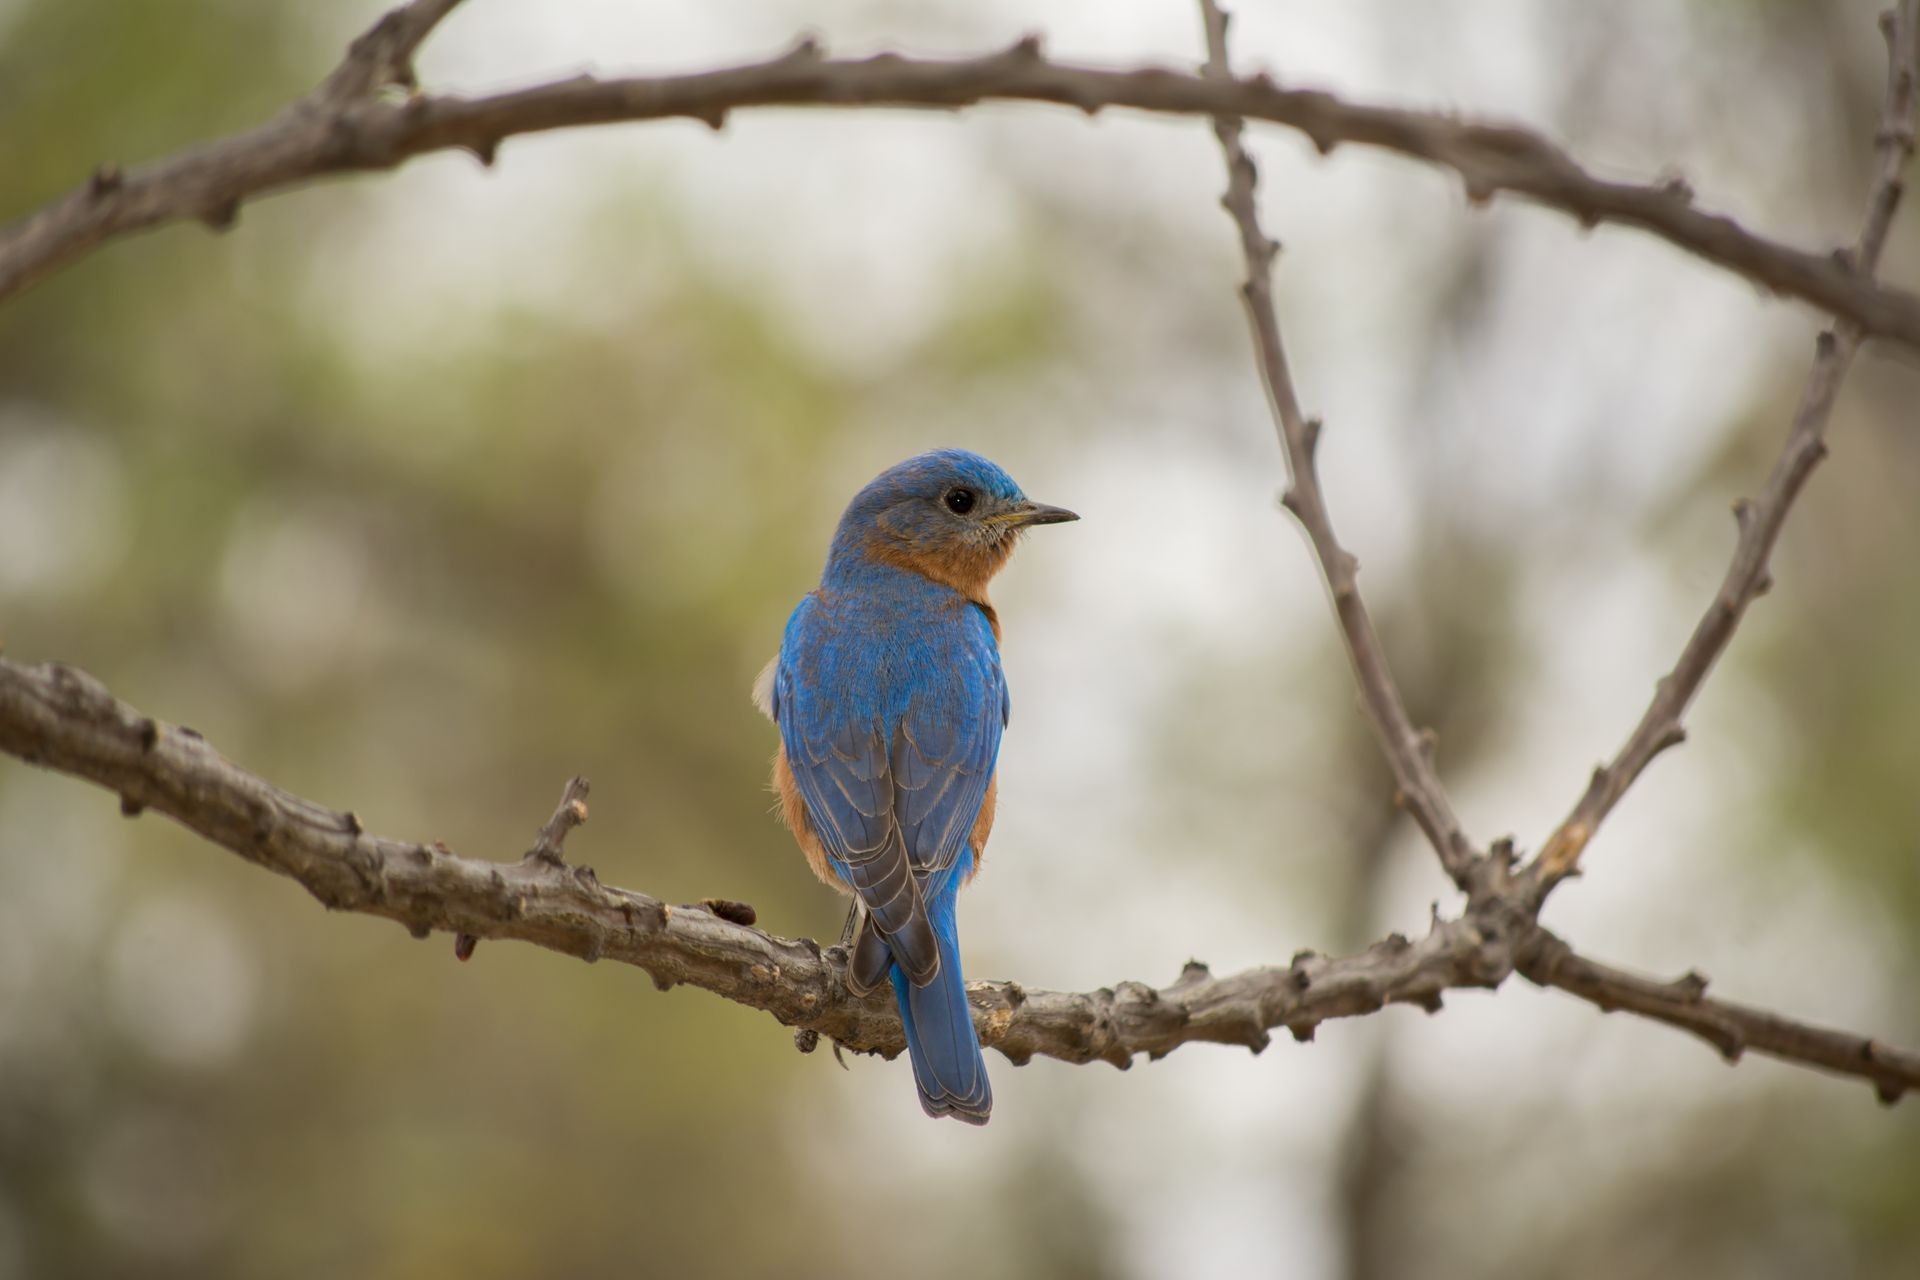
(943, 755)
(893, 776)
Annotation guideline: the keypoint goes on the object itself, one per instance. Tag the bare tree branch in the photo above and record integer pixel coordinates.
(1509, 906)
(348, 125)
(384, 54)
(1759, 522)
(65, 720)
(1731, 1028)
(1409, 753)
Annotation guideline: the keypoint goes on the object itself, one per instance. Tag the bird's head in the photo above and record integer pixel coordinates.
(949, 515)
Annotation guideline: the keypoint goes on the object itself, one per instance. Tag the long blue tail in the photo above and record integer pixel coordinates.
(947, 1066)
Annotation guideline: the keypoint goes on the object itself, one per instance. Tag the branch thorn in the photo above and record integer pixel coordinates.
(1310, 437)
(222, 216)
(570, 813)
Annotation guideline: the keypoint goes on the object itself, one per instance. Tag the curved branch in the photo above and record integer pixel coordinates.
(1511, 905)
(348, 125)
(65, 720)
(1408, 752)
(1760, 521)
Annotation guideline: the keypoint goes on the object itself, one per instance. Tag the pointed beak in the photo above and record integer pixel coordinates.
(1040, 513)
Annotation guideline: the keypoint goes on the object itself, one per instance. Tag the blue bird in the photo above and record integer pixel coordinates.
(889, 698)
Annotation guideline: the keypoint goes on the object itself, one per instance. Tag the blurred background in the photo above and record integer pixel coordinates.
(418, 493)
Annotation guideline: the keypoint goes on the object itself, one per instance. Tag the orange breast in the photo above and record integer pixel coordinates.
(793, 810)
(983, 825)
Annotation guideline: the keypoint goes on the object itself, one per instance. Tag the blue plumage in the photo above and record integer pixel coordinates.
(890, 701)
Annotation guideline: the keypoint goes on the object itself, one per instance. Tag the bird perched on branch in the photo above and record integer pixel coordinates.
(890, 701)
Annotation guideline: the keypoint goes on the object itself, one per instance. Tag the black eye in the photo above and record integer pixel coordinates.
(959, 501)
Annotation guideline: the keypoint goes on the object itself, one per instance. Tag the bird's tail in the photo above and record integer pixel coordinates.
(947, 1066)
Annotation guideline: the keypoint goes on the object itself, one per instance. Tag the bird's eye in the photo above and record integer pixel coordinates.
(959, 501)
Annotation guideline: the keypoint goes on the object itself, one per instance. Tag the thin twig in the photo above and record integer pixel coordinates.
(548, 847)
(1731, 1028)
(1760, 521)
(347, 125)
(65, 720)
(571, 812)
(384, 54)
(1409, 753)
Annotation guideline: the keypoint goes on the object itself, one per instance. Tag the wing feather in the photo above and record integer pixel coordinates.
(894, 796)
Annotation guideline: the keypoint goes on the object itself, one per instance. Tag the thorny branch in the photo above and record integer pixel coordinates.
(1759, 521)
(63, 719)
(351, 124)
(1407, 752)
(1509, 903)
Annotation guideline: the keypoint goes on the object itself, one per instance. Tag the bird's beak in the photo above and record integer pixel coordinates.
(1040, 513)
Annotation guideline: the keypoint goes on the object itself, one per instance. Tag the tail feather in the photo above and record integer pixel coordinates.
(947, 1066)
(871, 961)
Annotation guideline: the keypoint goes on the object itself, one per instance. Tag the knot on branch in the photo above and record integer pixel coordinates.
(806, 51)
(568, 814)
(1028, 50)
(1676, 188)
(732, 911)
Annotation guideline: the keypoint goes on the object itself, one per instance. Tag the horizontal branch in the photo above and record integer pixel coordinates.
(348, 125)
(1731, 1028)
(63, 719)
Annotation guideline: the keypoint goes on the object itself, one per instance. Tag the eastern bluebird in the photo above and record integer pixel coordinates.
(890, 701)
